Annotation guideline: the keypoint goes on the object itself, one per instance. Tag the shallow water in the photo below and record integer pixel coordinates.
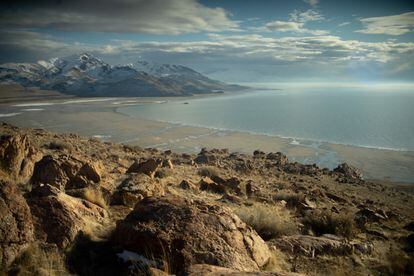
(378, 118)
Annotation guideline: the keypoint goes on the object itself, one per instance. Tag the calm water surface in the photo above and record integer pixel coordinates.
(362, 117)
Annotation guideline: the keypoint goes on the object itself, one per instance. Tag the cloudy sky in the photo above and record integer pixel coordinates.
(257, 41)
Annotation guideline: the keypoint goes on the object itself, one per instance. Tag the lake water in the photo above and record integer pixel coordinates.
(378, 118)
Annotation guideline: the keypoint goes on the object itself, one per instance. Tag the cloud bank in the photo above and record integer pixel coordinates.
(390, 25)
(135, 16)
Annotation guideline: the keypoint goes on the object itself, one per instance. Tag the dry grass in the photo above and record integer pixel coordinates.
(268, 221)
(39, 261)
(95, 196)
(163, 173)
(330, 223)
(399, 263)
(278, 262)
(208, 171)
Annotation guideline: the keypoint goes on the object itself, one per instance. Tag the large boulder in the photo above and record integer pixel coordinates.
(59, 217)
(17, 156)
(55, 171)
(66, 172)
(191, 232)
(148, 167)
(279, 158)
(135, 188)
(347, 174)
(16, 227)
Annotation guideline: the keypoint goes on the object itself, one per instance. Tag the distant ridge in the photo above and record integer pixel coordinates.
(88, 76)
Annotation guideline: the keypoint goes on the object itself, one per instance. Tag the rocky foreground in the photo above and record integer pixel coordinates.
(72, 205)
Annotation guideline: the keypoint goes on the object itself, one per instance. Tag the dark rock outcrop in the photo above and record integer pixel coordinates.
(348, 174)
(135, 188)
(55, 171)
(59, 217)
(16, 226)
(191, 232)
(17, 156)
(147, 167)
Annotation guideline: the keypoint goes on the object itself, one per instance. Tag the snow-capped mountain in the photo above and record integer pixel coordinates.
(86, 75)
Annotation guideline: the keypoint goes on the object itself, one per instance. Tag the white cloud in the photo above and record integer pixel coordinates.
(344, 24)
(236, 52)
(390, 25)
(291, 26)
(311, 2)
(309, 15)
(140, 16)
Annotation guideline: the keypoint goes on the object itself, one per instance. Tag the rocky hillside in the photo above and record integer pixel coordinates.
(87, 76)
(73, 205)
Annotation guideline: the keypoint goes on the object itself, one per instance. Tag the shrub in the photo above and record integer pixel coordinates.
(330, 223)
(163, 172)
(37, 260)
(268, 221)
(59, 145)
(292, 199)
(208, 171)
(95, 196)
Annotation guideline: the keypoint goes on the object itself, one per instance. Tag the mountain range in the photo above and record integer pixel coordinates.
(88, 76)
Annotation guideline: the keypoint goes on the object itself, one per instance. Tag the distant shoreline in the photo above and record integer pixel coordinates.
(101, 119)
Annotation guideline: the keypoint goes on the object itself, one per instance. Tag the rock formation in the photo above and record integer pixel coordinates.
(191, 232)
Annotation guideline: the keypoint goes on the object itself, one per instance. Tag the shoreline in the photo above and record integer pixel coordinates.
(101, 119)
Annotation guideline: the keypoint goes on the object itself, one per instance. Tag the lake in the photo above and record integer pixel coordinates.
(366, 117)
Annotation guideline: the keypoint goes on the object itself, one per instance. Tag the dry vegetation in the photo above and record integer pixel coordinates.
(330, 223)
(208, 171)
(95, 196)
(37, 260)
(268, 221)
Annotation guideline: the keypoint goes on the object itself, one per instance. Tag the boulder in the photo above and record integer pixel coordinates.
(232, 184)
(135, 188)
(55, 171)
(206, 157)
(279, 158)
(348, 174)
(191, 232)
(206, 184)
(367, 215)
(59, 217)
(91, 171)
(167, 163)
(16, 226)
(297, 168)
(17, 156)
(147, 167)
(259, 154)
(187, 185)
(251, 189)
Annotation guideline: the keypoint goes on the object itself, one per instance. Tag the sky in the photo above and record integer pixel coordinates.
(367, 41)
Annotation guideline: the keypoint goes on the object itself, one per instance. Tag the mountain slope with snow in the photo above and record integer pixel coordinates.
(88, 76)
